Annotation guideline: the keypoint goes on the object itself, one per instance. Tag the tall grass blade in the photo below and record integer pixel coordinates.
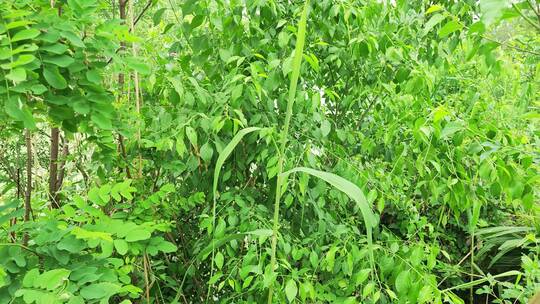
(297, 62)
(354, 193)
(217, 170)
(482, 280)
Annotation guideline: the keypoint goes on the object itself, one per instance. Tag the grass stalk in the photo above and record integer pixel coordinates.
(297, 62)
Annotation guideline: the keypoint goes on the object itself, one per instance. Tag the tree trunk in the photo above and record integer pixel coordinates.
(122, 8)
(121, 81)
(53, 161)
(62, 172)
(28, 193)
(53, 167)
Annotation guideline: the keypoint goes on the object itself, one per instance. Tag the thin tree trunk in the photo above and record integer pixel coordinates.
(53, 160)
(137, 88)
(122, 8)
(121, 81)
(13, 221)
(18, 181)
(53, 167)
(28, 193)
(62, 172)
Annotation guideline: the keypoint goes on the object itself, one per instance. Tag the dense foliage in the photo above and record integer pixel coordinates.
(227, 151)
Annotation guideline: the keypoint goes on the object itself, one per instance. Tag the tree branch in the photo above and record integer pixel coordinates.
(537, 26)
(146, 7)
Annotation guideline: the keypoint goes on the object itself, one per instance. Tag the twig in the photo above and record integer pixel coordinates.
(134, 23)
(511, 46)
(142, 12)
(536, 12)
(364, 114)
(28, 193)
(147, 289)
(537, 26)
(20, 245)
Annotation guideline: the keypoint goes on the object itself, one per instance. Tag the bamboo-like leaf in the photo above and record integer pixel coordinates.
(482, 280)
(225, 154)
(502, 230)
(217, 170)
(203, 254)
(354, 192)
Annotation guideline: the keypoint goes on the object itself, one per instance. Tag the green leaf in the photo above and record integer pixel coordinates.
(20, 112)
(13, 108)
(291, 290)
(9, 215)
(417, 255)
(191, 135)
(61, 60)
(93, 76)
(54, 78)
(73, 38)
(214, 244)
(103, 291)
(52, 279)
(18, 23)
(93, 196)
(17, 75)
(482, 280)
(218, 259)
(121, 246)
(368, 289)
(353, 192)
(25, 35)
(57, 48)
(433, 9)
(79, 300)
(81, 106)
(21, 60)
(260, 232)
(221, 160)
(314, 259)
(30, 278)
(403, 282)
(433, 21)
(157, 15)
(101, 121)
(283, 39)
(449, 28)
(361, 276)
(70, 243)
(426, 294)
(197, 21)
(477, 205)
(138, 234)
(167, 247)
(206, 152)
(138, 65)
(39, 89)
(325, 128)
(491, 10)
(450, 129)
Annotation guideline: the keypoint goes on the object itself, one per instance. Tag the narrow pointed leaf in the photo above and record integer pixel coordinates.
(352, 191)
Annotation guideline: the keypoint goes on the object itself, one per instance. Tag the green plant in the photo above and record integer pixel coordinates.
(166, 151)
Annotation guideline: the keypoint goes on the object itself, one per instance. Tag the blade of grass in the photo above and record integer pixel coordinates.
(217, 170)
(203, 254)
(297, 62)
(482, 280)
(354, 193)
